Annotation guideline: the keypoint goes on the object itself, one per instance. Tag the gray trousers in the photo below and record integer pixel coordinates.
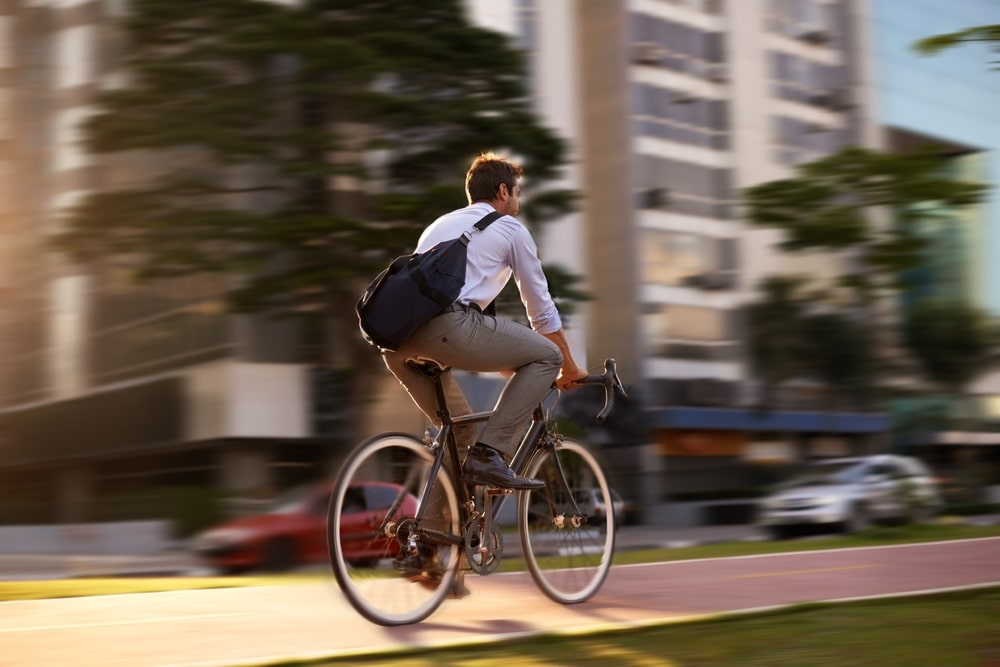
(469, 340)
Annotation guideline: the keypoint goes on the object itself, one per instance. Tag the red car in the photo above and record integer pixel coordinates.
(294, 533)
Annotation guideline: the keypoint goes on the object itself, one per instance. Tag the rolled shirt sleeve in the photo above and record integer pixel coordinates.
(532, 285)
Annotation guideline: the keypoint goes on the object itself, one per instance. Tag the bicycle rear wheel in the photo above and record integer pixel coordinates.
(371, 518)
(567, 528)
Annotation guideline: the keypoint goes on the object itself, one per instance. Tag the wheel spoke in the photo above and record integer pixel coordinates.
(371, 515)
(568, 544)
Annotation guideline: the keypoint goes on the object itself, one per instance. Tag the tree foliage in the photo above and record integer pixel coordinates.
(952, 341)
(774, 338)
(988, 34)
(876, 209)
(792, 338)
(242, 115)
(834, 204)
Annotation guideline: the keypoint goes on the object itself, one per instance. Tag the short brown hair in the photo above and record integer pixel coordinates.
(486, 174)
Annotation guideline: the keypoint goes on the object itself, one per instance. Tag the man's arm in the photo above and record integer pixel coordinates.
(570, 371)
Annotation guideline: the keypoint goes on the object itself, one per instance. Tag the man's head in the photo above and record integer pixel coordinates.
(494, 179)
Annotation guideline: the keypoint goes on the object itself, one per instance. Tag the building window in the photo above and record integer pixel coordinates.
(669, 258)
(797, 141)
(676, 258)
(682, 187)
(800, 80)
(139, 329)
(679, 116)
(689, 332)
(659, 42)
(811, 21)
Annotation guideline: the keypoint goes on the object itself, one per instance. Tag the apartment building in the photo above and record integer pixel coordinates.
(680, 105)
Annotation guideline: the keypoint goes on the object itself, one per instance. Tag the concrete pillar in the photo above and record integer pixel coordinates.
(604, 177)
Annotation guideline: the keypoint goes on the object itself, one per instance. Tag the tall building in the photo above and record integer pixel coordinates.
(109, 389)
(680, 104)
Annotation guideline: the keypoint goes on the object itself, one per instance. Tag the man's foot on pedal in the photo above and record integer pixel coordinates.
(486, 466)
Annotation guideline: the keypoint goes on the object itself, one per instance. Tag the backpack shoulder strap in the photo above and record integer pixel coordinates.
(488, 220)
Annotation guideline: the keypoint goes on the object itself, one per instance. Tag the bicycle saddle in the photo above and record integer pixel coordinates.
(426, 365)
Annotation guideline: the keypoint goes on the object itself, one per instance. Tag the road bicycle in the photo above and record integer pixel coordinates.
(403, 529)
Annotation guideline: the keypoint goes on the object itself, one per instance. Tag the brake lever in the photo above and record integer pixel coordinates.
(611, 370)
(611, 382)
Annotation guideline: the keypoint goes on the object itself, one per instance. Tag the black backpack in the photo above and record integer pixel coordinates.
(415, 288)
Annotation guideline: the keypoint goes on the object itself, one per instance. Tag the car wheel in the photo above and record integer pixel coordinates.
(279, 555)
(857, 521)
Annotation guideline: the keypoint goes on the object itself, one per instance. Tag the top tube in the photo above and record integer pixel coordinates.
(472, 417)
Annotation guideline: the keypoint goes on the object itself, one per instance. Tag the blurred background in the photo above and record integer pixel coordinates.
(779, 216)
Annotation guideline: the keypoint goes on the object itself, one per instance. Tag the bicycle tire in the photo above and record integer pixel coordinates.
(390, 469)
(569, 563)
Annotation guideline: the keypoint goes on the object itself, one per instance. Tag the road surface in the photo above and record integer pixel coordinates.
(227, 627)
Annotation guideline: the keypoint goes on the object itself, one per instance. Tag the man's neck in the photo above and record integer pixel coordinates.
(492, 203)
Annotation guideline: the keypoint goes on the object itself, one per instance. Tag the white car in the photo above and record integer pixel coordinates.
(849, 494)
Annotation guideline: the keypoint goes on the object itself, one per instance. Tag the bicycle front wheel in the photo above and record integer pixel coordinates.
(371, 518)
(567, 528)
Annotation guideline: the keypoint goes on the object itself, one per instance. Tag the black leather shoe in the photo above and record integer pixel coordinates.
(485, 465)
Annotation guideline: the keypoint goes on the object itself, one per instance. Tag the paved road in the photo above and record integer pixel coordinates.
(252, 625)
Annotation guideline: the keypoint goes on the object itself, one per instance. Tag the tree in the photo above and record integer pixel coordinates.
(989, 34)
(774, 338)
(836, 204)
(873, 208)
(952, 341)
(792, 337)
(244, 112)
(838, 353)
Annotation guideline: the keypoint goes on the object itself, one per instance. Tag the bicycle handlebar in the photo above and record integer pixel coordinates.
(610, 380)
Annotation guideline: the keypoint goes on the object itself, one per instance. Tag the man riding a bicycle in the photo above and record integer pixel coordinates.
(468, 336)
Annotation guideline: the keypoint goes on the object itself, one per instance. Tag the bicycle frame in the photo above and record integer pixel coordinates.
(444, 444)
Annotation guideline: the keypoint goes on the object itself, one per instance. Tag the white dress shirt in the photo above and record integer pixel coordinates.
(503, 249)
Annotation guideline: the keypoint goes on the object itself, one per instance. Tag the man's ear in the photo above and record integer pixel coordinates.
(502, 192)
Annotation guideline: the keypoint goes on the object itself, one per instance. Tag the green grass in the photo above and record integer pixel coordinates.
(34, 590)
(875, 536)
(955, 629)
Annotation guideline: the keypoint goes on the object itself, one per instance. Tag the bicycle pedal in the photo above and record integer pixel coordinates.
(498, 491)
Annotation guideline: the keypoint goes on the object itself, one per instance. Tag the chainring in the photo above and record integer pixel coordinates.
(484, 556)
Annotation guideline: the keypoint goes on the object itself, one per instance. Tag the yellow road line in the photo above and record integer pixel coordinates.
(789, 572)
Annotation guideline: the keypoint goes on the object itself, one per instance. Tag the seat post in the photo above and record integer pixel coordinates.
(434, 369)
(443, 412)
